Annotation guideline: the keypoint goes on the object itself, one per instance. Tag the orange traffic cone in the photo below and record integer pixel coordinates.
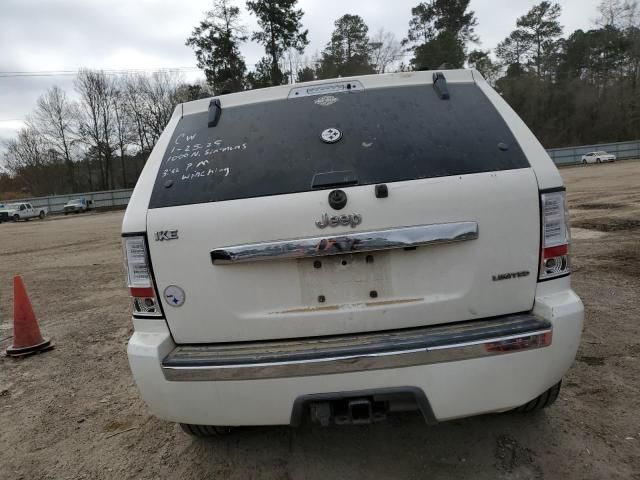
(26, 333)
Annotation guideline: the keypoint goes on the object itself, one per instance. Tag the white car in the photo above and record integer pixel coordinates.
(598, 157)
(21, 211)
(342, 249)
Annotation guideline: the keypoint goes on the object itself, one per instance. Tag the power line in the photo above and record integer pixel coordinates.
(124, 71)
(72, 73)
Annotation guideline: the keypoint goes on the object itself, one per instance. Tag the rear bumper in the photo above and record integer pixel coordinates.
(459, 375)
(357, 353)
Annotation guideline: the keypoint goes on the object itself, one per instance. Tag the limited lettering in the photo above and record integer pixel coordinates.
(508, 276)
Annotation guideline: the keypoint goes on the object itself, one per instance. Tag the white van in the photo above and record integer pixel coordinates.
(338, 250)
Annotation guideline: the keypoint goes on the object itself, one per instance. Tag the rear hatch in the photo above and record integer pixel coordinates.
(263, 175)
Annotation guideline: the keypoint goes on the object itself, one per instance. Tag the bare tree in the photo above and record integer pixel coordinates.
(106, 96)
(157, 93)
(25, 156)
(56, 120)
(132, 90)
(385, 51)
(72, 145)
(97, 124)
(89, 127)
(617, 13)
(123, 126)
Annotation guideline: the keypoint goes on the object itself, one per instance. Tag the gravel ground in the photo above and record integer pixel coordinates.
(74, 412)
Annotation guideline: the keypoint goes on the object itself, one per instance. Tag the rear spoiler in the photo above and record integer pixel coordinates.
(328, 87)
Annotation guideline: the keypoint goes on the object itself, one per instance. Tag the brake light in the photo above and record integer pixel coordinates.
(556, 236)
(139, 280)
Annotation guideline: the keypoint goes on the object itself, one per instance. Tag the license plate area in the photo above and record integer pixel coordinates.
(345, 279)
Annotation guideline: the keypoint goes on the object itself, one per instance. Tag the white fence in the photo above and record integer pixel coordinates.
(120, 198)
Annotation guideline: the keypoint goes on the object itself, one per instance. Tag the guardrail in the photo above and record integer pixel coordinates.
(120, 198)
(102, 200)
(573, 155)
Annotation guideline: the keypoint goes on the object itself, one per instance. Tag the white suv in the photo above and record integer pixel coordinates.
(338, 250)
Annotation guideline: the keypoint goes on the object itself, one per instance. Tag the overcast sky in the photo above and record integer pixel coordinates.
(63, 35)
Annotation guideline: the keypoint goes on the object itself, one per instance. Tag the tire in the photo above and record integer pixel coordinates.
(66, 213)
(15, 217)
(205, 430)
(543, 401)
(598, 160)
(584, 162)
(41, 216)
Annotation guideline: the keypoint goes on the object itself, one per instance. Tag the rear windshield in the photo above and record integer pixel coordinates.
(383, 135)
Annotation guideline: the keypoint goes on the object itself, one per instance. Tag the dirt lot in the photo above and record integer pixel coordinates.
(74, 412)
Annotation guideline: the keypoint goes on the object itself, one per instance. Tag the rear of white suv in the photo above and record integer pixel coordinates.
(341, 249)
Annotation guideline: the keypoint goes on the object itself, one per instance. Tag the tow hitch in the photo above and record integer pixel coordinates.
(355, 411)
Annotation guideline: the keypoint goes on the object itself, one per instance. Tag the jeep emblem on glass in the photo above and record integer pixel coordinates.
(353, 220)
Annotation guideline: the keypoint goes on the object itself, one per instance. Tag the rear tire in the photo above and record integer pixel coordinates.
(543, 401)
(41, 216)
(598, 160)
(205, 430)
(16, 217)
(584, 162)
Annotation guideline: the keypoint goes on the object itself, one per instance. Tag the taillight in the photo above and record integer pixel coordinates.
(535, 340)
(556, 236)
(139, 279)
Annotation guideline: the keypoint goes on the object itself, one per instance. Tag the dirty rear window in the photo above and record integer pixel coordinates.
(385, 135)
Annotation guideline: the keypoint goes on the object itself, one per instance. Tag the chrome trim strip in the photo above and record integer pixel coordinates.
(405, 237)
(353, 363)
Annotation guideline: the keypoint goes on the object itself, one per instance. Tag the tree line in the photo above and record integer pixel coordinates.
(98, 140)
(575, 89)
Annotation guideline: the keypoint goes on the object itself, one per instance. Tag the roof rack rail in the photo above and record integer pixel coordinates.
(440, 85)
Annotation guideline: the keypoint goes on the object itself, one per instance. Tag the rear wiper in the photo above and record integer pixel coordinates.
(334, 179)
(440, 85)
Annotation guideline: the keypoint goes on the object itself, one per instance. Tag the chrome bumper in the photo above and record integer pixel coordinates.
(351, 353)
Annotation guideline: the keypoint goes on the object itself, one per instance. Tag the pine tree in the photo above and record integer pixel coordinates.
(438, 34)
(541, 28)
(348, 51)
(216, 43)
(281, 26)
